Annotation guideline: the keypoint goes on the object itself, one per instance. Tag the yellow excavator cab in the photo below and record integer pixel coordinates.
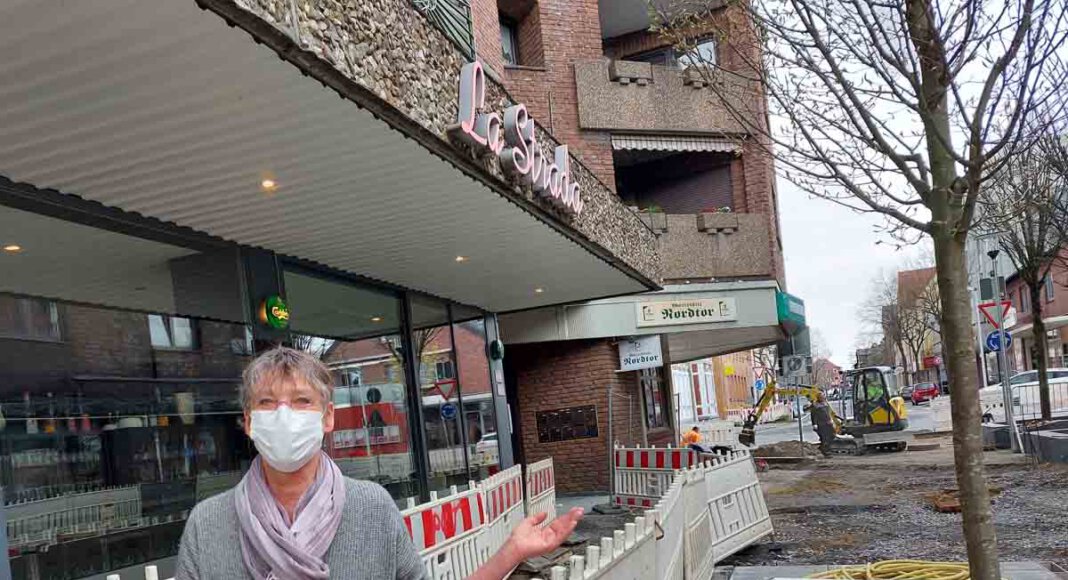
(877, 409)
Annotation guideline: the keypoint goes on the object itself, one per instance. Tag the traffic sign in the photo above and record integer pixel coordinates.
(448, 411)
(988, 310)
(759, 384)
(995, 339)
(793, 365)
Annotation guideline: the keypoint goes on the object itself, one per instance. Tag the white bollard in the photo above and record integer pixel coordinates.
(578, 569)
(151, 573)
(619, 542)
(593, 556)
(607, 551)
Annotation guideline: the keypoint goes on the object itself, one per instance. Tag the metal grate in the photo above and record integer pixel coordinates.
(453, 18)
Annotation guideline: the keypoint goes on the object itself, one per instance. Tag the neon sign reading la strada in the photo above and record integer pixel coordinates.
(513, 140)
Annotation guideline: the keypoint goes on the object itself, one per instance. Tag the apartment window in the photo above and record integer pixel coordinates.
(661, 56)
(703, 54)
(510, 42)
(29, 318)
(444, 370)
(1024, 304)
(171, 332)
(1050, 290)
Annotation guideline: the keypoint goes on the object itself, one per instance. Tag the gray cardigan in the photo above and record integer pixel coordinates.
(371, 542)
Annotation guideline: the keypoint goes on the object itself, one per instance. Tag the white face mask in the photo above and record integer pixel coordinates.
(287, 439)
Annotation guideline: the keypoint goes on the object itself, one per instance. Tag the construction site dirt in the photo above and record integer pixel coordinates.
(848, 510)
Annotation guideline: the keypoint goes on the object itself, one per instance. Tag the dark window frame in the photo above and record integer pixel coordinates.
(168, 326)
(512, 28)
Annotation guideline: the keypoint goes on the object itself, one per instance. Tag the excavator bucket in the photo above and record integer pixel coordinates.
(748, 436)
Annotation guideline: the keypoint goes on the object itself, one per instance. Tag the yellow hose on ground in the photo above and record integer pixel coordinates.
(902, 569)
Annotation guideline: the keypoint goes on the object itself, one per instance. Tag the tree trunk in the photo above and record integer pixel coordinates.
(959, 350)
(1038, 333)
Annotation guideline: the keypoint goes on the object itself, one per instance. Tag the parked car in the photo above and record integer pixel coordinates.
(488, 443)
(922, 392)
(906, 393)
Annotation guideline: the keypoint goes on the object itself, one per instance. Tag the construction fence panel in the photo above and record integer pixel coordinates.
(644, 474)
(502, 494)
(669, 515)
(447, 533)
(630, 554)
(735, 504)
(719, 434)
(541, 489)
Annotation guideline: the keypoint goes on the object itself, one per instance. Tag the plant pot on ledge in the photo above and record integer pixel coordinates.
(718, 222)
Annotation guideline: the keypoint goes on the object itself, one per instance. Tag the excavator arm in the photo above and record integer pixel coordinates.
(813, 394)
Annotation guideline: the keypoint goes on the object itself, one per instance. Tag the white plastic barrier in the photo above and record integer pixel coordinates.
(643, 474)
(151, 573)
(447, 533)
(541, 489)
(630, 554)
(726, 511)
(719, 434)
(38, 522)
(670, 516)
(502, 494)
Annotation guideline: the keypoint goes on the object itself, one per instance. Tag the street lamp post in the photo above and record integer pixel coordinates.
(1003, 360)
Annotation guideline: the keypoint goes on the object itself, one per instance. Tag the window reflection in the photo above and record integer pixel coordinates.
(106, 441)
(371, 438)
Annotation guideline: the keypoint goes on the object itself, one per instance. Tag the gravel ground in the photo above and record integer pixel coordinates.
(838, 514)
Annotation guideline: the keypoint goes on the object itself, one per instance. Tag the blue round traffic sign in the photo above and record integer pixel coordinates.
(996, 339)
(448, 411)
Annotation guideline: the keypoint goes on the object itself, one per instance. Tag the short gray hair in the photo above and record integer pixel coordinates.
(284, 362)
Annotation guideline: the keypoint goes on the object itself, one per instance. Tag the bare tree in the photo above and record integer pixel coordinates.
(421, 340)
(902, 108)
(1026, 204)
(312, 345)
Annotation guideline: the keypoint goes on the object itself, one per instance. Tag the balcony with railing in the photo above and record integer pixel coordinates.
(628, 96)
(703, 246)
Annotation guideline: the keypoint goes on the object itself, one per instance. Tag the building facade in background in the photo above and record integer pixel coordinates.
(190, 183)
(652, 132)
(1054, 295)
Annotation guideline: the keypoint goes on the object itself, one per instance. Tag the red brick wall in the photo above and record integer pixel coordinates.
(117, 343)
(487, 29)
(570, 32)
(557, 375)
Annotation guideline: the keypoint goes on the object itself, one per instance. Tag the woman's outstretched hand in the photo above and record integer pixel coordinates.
(528, 540)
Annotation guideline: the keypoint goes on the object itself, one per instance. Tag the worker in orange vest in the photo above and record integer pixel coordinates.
(692, 439)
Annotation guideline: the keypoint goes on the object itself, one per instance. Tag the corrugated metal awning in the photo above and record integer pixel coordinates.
(676, 143)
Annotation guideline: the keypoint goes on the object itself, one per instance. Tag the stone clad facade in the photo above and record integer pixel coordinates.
(387, 57)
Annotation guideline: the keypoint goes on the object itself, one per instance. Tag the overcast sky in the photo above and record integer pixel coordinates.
(831, 259)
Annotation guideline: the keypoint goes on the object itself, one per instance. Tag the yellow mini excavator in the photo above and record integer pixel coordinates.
(879, 416)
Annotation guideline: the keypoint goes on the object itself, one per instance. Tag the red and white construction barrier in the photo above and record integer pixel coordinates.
(503, 495)
(710, 511)
(541, 489)
(643, 474)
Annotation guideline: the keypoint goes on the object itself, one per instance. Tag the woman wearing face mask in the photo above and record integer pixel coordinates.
(294, 516)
